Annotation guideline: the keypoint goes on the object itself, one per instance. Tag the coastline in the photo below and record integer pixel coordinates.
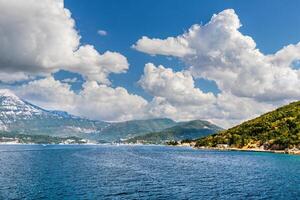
(46, 144)
(289, 151)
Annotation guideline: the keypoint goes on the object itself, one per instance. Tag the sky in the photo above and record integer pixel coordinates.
(222, 61)
(127, 21)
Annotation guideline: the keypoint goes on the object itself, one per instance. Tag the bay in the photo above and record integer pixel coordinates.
(144, 172)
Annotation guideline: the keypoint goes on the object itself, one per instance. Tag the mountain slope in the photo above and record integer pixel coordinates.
(182, 131)
(25, 118)
(16, 138)
(19, 116)
(124, 130)
(276, 130)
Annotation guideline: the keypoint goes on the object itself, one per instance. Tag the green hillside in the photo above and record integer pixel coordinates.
(276, 130)
(22, 117)
(182, 131)
(12, 137)
(124, 130)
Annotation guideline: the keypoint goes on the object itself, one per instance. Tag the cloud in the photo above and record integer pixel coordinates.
(216, 51)
(250, 82)
(94, 101)
(176, 97)
(226, 110)
(39, 38)
(176, 87)
(168, 47)
(102, 32)
(70, 80)
(113, 104)
(10, 78)
(95, 67)
(48, 93)
(219, 51)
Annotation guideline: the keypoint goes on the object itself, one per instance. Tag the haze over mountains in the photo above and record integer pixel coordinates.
(181, 131)
(21, 117)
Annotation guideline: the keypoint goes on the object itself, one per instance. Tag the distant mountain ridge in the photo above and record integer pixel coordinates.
(181, 131)
(21, 117)
(124, 130)
(25, 118)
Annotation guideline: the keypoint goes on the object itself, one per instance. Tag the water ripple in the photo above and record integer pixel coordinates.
(144, 172)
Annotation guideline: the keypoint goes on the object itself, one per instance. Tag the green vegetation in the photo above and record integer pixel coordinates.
(182, 131)
(173, 143)
(123, 130)
(6, 137)
(276, 130)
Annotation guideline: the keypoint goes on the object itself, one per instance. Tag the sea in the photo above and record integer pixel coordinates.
(144, 172)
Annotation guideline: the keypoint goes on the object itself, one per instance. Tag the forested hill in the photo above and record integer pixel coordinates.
(181, 131)
(276, 130)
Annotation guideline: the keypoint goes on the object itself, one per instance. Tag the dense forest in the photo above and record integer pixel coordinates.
(276, 130)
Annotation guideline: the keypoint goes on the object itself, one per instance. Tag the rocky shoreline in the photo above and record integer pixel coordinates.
(286, 151)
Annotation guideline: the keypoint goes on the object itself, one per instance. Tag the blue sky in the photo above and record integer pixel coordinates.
(271, 23)
(177, 59)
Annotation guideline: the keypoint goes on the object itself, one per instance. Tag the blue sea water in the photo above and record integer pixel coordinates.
(144, 172)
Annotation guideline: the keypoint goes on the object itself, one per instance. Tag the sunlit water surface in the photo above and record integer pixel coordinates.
(144, 172)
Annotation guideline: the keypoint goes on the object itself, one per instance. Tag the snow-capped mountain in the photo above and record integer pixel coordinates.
(20, 116)
(23, 117)
(13, 108)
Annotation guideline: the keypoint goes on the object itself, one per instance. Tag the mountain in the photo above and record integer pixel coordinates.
(22, 117)
(124, 130)
(16, 138)
(276, 130)
(181, 131)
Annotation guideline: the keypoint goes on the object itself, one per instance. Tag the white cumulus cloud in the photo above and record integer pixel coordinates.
(48, 93)
(39, 38)
(176, 87)
(176, 97)
(220, 52)
(170, 46)
(95, 101)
